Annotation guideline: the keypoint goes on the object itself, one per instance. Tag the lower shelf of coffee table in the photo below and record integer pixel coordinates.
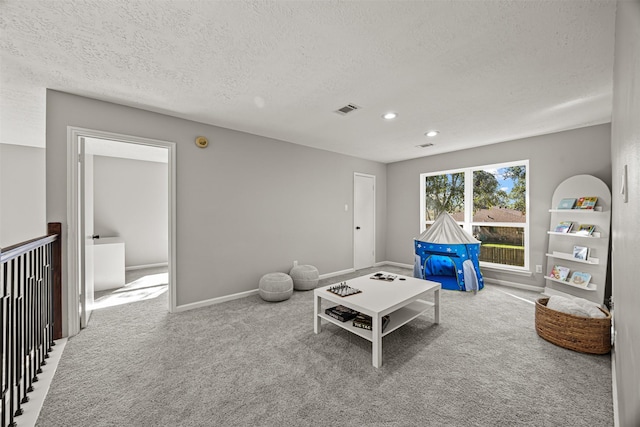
(400, 317)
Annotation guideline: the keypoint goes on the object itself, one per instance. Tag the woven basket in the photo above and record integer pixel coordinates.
(583, 334)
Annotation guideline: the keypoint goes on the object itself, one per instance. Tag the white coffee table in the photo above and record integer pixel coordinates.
(400, 299)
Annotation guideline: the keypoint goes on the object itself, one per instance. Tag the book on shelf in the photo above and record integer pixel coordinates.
(564, 227)
(363, 321)
(559, 272)
(567, 204)
(586, 202)
(580, 278)
(341, 313)
(581, 252)
(585, 229)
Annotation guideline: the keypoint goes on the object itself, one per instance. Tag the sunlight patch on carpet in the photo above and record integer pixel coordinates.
(144, 288)
(517, 297)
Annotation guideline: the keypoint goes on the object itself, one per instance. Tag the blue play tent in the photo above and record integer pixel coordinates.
(447, 254)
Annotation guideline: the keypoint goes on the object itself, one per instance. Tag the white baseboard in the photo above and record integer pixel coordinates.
(41, 388)
(393, 263)
(245, 294)
(214, 301)
(218, 300)
(140, 267)
(336, 273)
(614, 385)
(512, 284)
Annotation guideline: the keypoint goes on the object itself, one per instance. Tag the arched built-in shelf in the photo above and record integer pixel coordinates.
(561, 245)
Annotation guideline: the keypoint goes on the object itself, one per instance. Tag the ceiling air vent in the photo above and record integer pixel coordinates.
(347, 109)
(428, 144)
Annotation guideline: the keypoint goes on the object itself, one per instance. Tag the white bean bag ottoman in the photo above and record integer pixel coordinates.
(275, 287)
(305, 277)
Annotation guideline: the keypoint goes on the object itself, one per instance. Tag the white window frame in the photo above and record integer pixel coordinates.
(468, 222)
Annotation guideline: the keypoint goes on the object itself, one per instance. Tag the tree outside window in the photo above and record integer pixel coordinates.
(444, 193)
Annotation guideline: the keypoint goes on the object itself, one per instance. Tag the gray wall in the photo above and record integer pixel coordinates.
(22, 186)
(247, 205)
(625, 149)
(552, 159)
(130, 201)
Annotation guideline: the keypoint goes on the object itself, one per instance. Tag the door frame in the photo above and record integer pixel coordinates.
(353, 230)
(73, 220)
(86, 286)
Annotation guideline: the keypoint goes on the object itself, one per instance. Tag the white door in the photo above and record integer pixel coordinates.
(364, 221)
(86, 233)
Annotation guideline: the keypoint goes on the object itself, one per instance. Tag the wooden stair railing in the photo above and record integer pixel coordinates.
(30, 316)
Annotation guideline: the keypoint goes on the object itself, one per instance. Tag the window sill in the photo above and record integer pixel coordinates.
(510, 270)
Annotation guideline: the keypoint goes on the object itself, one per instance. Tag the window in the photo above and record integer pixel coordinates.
(490, 202)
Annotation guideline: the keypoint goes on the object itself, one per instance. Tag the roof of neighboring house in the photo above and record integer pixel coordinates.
(494, 214)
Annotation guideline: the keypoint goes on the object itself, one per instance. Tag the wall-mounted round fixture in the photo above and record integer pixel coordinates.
(390, 115)
(431, 133)
(202, 142)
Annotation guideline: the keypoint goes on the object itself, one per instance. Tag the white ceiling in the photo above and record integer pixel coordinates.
(480, 72)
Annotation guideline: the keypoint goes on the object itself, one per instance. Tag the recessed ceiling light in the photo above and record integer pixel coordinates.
(389, 116)
(431, 133)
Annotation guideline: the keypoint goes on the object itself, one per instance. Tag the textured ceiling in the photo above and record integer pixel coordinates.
(480, 72)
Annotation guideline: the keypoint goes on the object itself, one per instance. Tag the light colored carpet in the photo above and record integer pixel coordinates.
(252, 363)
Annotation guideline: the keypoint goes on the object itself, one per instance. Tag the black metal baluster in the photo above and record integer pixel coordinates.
(6, 412)
(47, 301)
(27, 324)
(31, 281)
(13, 369)
(20, 394)
(37, 283)
(41, 308)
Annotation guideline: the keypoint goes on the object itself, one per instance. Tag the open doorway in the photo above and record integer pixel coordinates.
(130, 216)
(130, 169)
